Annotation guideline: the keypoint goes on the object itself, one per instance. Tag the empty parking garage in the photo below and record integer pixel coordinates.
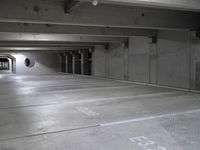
(99, 75)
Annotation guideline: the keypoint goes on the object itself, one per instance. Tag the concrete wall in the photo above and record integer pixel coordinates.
(195, 63)
(171, 61)
(116, 63)
(139, 59)
(99, 59)
(45, 63)
(109, 62)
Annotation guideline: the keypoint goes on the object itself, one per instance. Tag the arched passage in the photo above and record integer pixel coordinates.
(7, 63)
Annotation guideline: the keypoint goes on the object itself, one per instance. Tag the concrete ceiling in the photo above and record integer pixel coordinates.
(191, 5)
(43, 49)
(44, 37)
(110, 21)
(103, 15)
(75, 30)
(15, 41)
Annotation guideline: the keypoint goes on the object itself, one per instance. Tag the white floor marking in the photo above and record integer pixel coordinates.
(87, 111)
(101, 87)
(111, 98)
(150, 118)
(62, 97)
(146, 144)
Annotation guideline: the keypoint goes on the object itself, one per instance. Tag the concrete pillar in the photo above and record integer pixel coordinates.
(107, 74)
(76, 62)
(90, 61)
(66, 63)
(153, 64)
(99, 61)
(86, 62)
(60, 62)
(73, 62)
(63, 62)
(194, 61)
(82, 62)
(69, 60)
(126, 61)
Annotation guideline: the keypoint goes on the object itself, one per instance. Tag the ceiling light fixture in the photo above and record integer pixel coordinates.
(95, 2)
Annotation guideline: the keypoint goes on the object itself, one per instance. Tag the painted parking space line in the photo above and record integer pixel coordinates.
(117, 98)
(61, 97)
(150, 118)
(32, 91)
(100, 87)
(87, 111)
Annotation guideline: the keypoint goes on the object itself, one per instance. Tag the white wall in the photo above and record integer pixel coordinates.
(45, 63)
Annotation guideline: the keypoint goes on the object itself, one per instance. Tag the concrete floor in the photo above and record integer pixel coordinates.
(65, 112)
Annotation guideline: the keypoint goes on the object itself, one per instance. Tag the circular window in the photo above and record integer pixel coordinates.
(29, 62)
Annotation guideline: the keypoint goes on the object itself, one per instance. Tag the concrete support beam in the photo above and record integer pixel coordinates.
(63, 62)
(51, 12)
(193, 59)
(33, 37)
(47, 44)
(73, 63)
(75, 30)
(82, 63)
(70, 4)
(69, 62)
(126, 62)
(192, 5)
(153, 63)
(76, 62)
(107, 68)
(85, 62)
(46, 49)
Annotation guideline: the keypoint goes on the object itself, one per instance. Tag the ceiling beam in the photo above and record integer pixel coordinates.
(76, 30)
(103, 15)
(70, 4)
(191, 5)
(48, 44)
(37, 37)
(57, 49)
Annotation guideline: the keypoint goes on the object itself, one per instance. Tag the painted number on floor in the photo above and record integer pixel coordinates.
(87, 111)
(146, 143)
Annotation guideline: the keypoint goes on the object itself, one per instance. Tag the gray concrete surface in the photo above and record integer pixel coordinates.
(172, 61)
(67, 112)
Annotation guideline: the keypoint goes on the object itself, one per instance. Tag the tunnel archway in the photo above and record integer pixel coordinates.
(7, 63)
